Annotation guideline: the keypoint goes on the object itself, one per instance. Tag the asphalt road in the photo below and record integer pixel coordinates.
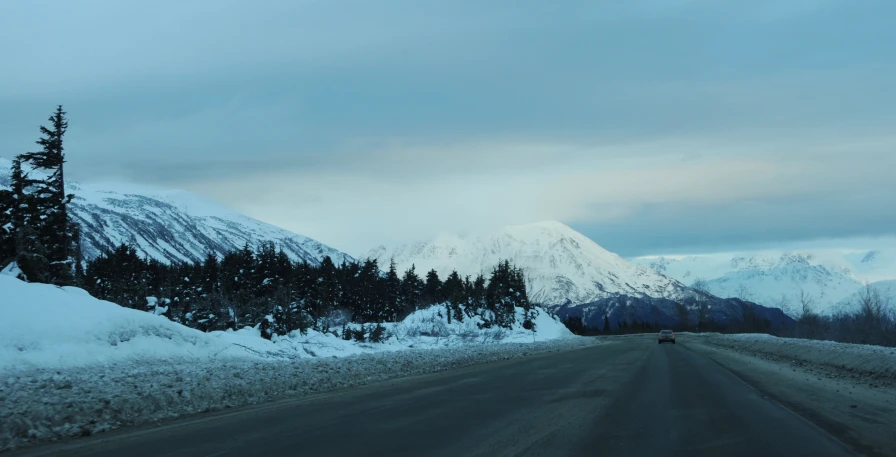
(626, 397)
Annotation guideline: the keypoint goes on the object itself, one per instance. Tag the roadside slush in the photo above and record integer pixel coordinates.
(860, 412)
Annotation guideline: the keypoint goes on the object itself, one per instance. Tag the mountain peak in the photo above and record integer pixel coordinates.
(562, 265)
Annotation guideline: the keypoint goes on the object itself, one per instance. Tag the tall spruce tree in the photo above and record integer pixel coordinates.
(28, 250)
(453, 291)
(391, 294)
(45, 206)
(411, 292)
(432, 290)
(368, 293)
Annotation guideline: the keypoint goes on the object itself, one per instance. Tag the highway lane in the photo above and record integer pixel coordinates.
(625, 397)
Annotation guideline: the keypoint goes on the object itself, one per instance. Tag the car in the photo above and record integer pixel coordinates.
(666, 336)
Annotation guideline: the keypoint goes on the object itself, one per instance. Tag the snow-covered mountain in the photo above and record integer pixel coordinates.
(768, 277)
(562, 266)
(172, 225)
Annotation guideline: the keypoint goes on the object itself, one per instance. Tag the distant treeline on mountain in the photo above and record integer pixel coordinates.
(699, 312)
(265, 288)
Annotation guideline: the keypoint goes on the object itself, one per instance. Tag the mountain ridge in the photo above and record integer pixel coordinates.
(776, 278)
(172, 225)
(562, 265)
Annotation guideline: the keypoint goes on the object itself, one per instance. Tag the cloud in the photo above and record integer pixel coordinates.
(650, 125)
(624, 197)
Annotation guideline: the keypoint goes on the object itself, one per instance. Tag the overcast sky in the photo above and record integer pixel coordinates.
(652, 126)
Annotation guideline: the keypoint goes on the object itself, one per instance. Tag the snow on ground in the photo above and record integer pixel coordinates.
(843, 388)
(74, 365)
(857, 362)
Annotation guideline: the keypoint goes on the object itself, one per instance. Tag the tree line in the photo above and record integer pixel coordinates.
(871, 319)
(36, 230)
(698, 311)
(264, 288)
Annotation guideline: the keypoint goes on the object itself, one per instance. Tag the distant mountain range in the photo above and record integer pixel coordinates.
(773, 278)
(564, 269)
(173, 225)
(570, 274)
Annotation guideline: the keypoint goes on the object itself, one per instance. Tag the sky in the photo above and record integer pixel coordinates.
(651, 126)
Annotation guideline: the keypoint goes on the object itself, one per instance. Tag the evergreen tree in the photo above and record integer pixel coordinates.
(432, 290)
(391, 294)
(47, 213)
(211, 274)
(504, 293)
(453, 292)
(369, 298)
(606, 328)
(324, 294)
(236, 290)
(27, 248)
(411, 292)
(575, 324)
(477, 294)
(31, 256)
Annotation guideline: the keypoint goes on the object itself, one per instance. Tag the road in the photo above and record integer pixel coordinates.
(625, 397)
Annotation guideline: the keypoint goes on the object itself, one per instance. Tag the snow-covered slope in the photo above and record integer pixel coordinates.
(561, 265)
(172, 225)
(768, 277)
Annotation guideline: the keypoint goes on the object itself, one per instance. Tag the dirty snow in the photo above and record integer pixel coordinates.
(74, 365)
(858, 362)
(846, 389)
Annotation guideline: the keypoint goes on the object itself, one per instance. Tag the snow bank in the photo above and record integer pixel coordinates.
(74, 365)
(868, 364)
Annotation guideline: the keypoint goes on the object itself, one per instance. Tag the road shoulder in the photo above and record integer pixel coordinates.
(861, 416)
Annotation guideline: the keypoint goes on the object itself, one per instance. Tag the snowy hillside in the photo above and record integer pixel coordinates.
(172, 225)
(768, 277)
(562, 265)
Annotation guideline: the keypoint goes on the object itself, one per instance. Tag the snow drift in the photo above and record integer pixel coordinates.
(74, 365)
(861, 362)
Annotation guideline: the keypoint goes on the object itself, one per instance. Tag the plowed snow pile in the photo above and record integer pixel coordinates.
(857, 362)
(74, 365)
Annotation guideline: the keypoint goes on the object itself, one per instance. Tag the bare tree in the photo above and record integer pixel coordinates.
(701, 301)
(743, 293)
(809, 322)
(702, 309)
(701, 285)
(806, 306)
(873, 314)
(681, 310)
(784, 305)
